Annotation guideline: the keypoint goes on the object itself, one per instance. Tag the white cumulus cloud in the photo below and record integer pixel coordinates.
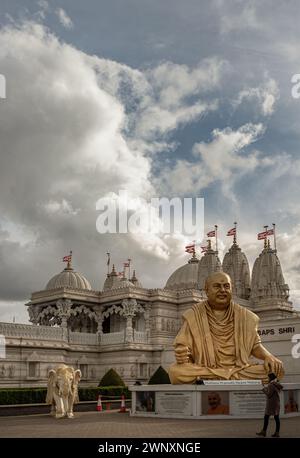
(74, 128)
(265, 95)
(220, 160)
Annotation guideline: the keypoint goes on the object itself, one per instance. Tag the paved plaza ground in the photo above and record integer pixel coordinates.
(120, 425)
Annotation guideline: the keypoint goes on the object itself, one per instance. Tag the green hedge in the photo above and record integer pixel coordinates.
(91, 394)
(111, 378)
(38, 395)
(22, 396)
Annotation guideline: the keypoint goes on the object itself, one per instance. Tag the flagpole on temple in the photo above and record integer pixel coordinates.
(70, 261)
(108, 261)
(216, 229)
(274, 235)
(235, 233)
(266, 237)
(129, 261)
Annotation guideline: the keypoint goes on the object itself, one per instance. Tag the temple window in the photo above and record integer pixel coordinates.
(84, 370)
(143, 370)
(33, 369)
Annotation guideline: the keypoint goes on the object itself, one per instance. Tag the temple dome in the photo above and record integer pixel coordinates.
(185, 277)
(267, 278)
(68, 278)
(235, 264)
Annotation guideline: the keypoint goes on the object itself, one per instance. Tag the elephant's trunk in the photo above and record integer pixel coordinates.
(63, 390)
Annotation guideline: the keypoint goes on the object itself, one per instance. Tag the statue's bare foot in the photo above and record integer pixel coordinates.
(70, 415)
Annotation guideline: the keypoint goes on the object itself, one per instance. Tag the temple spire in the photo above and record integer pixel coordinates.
(113, 271)
(269, 292)
(236, 265)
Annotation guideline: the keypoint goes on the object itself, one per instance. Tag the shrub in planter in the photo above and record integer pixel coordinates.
(111, 378)
(160, 377)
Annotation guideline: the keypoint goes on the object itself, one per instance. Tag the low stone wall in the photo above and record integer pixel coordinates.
(214, 400)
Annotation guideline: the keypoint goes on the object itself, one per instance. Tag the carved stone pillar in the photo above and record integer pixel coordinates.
(129, 311)
(99, 320)
(129, 330)
(64, 311)
(147, 322)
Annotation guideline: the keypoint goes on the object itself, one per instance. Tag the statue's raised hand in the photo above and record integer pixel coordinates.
(273, 364)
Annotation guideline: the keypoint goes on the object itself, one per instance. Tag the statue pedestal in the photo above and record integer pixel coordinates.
(215, 399)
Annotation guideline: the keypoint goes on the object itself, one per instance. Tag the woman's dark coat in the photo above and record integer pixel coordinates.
(272, 391)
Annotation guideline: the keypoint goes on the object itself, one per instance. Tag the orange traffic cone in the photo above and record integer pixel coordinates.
(123, 406)
(99, 404)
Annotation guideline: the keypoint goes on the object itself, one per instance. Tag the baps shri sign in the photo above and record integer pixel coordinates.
(291, 333)
(274, 332)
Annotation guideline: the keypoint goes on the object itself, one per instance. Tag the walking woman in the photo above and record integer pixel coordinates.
(272, 391)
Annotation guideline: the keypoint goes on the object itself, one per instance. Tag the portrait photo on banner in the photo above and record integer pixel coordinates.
(215, 403)
(291, 401)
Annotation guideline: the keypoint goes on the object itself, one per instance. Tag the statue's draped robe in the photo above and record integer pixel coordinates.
(221, 343)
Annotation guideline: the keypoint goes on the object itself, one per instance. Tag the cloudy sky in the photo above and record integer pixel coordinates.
(158, 98)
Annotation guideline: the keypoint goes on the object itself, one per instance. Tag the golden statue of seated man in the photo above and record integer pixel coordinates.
(217, 339)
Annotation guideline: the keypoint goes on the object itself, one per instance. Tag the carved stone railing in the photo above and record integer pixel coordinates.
(30, 331)
(83, 338)
(139, 336)
(113, 338)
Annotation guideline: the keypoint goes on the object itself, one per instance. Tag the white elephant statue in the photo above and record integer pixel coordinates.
(62, 390)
